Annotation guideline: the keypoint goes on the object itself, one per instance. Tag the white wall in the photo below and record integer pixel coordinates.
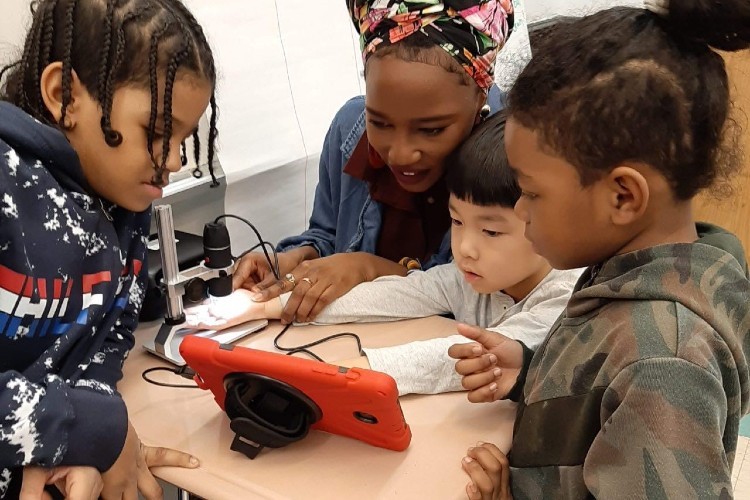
(283, 75)
(14, 18)
(285, 69)
(541, 9)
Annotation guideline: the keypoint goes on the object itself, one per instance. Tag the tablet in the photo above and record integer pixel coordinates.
(352, 402)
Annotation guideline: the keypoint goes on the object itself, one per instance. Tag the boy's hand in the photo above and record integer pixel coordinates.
(75, 483)
(490, 367)
(235, 309)
(489, 471)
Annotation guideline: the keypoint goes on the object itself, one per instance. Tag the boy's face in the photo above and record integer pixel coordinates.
(123, 174)
(491, 251)
(566, 222)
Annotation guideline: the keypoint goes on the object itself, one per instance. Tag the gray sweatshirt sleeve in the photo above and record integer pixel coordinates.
(421, 367)
(424, 367)
(392, 298)
(532, 326)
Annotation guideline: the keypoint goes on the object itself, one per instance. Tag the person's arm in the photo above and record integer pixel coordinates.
(493, 366)
(425, 367)
(301, 254)
(375, 267)
(421, 367)
(106, 365)
(531, 326)
(50, 424)
(418, 295)
(662, 434)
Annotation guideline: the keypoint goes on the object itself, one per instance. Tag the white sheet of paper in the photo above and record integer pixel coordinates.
(235, 333)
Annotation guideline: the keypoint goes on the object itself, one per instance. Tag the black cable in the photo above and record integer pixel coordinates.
(305, 348)
(273, 265)
(305, 351)
(182, 371)
(265, 244)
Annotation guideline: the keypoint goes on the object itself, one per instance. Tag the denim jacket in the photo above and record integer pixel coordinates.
(344, 217)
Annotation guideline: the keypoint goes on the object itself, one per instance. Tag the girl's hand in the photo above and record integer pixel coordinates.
(75, 483)
(131, 474)
(151, 456)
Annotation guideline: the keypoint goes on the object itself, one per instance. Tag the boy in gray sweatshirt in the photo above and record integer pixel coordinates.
(495, 281)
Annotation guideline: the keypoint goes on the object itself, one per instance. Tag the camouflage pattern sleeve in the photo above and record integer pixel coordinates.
(663, 421)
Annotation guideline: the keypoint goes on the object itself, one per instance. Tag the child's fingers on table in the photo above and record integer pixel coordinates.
(33, 483)
(490, 462)
(155, 456)
(479, 477)
(496, 464)
(472, 493)
(148, 486)
(84, 483)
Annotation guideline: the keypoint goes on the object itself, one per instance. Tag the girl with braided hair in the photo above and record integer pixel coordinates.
(381, 203)
(92, 117)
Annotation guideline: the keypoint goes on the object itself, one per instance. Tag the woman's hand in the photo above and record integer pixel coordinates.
(253, 272)
(316, 283)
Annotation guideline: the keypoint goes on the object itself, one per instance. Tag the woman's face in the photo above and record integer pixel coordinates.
(417, 114)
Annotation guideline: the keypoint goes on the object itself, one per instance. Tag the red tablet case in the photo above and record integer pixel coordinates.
(347, 397)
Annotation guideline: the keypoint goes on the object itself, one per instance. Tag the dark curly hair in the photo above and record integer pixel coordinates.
(628, 85)
(110, 44)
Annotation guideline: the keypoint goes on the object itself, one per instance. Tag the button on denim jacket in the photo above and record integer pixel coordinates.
(344, 217)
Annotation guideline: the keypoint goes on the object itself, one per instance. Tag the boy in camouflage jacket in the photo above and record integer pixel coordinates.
(639, 388)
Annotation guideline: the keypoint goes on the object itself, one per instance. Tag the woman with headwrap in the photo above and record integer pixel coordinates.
(381, 204)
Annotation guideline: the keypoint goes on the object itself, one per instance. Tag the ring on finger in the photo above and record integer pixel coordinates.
(291, 279)
(308, 281)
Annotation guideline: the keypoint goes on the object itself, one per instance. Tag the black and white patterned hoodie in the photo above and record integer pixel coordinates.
(71, 285)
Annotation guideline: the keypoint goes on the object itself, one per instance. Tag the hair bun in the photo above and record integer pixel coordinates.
(722, 24)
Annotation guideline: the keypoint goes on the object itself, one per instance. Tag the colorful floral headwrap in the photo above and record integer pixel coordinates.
(471, 31)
